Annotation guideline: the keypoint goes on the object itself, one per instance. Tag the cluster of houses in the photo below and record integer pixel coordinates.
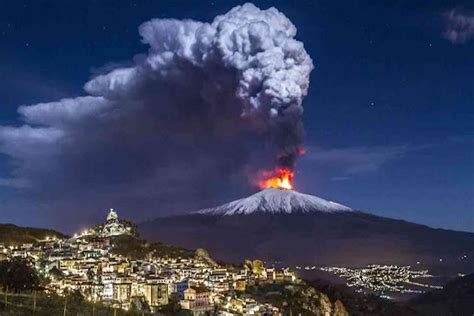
(195, 283)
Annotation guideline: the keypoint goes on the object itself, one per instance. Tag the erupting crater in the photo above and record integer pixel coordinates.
(281, 178)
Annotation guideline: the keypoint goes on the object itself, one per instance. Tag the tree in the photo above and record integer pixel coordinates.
(139, 306)
(75, 303)
(132, 225)
(90, 275)
(56, 273)
(18, 275)
(214, 312)
(173, 308)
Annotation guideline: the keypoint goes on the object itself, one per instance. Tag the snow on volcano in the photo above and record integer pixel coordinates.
(276, 201)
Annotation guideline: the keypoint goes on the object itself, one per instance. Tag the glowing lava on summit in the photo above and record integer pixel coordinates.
(281, 178)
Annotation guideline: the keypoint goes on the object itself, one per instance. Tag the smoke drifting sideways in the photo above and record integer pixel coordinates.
(207, 106)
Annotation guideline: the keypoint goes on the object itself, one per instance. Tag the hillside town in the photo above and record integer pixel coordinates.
(88, 263)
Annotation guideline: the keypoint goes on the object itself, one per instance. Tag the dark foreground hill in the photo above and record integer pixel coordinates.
(322, 238)
(455, 299)
(360, 304)
(12, 234)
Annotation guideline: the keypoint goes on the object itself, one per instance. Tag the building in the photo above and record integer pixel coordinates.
(240, 285)
(197, 296)
(121, 291)
(180, 288)
(156, 294)
(197, 299)
(114, 226)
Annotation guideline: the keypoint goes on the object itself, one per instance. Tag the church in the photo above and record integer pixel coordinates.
(114, 226)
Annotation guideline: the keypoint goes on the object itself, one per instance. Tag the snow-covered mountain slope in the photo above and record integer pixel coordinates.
(276, 201)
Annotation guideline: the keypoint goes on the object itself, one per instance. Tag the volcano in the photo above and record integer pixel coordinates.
(294, 228)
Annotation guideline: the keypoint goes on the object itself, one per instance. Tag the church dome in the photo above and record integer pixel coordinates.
(112, 216)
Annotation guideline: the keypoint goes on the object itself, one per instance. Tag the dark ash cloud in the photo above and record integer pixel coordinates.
(188, 122)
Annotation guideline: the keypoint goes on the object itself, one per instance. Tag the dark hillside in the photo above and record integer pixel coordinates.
(11, 234)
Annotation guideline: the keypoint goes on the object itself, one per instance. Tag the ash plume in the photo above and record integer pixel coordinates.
(207, 102)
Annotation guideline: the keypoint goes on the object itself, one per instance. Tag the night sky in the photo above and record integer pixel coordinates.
(388, 117)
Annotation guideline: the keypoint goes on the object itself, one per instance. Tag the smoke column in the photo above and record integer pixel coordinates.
(248, 55)
(208, 100)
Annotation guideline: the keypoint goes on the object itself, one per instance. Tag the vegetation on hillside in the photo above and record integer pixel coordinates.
(11, 234)
(18, 275)
(173, 308)
(297, 299)
(43, 304)
(136, 248)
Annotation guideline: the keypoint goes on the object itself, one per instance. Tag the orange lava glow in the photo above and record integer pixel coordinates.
(281, 178)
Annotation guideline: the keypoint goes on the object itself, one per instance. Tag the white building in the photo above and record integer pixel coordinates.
(114, 227)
